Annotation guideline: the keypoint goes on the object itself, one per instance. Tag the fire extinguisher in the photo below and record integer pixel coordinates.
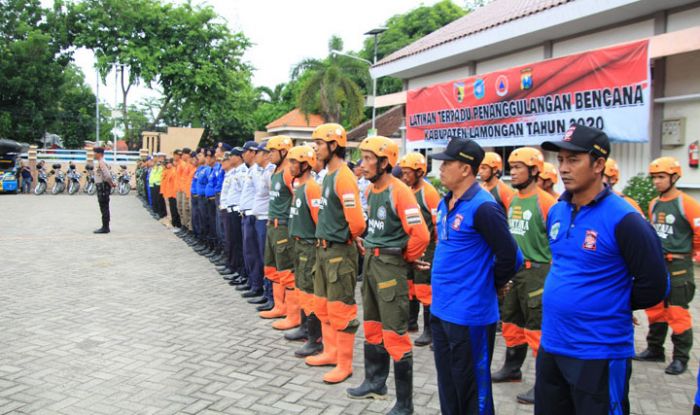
(694, 155)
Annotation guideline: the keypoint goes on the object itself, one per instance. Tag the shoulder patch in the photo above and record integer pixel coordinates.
(349, 200)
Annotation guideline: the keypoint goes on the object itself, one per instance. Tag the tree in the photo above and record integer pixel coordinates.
(404, 29)
(32, 60)
(331, 87)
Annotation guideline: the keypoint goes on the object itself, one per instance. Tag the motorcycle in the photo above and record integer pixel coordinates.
(124, 181)
(41, 180)
(74, 180)
(59, 184)
(89, 180)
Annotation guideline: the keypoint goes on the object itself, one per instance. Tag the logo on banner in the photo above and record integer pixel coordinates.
(502, 85)
(459, 91)
(479, 88)
(526, 79)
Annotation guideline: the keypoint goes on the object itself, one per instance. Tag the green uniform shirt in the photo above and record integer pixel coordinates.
(384, 227)
(301, 224)
(528, 226)
(425, 211)
(280, 197)
(671, 225)
(332, 225)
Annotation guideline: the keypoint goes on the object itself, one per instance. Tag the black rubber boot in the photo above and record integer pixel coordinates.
(313, 343)
(427, 337)
(413, 310)
(376, 372)
(510, 372)
(403, 376)
(300, 333)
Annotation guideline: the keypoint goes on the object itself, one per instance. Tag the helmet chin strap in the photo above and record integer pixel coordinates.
(490, 177)
(330, 154)
(380, 172)
(302, 170)
(527, 182)
(673, 183)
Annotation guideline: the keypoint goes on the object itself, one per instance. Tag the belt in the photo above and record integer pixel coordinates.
(531, 264)
(211, 197)
(278, 222)
(195, 196)
(322, 243)
(229, 209)
(304, 241)
(248, 212)
(385, 251)
(670, 257)
(235, 208)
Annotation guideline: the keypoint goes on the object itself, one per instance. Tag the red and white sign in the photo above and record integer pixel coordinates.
(609, 89)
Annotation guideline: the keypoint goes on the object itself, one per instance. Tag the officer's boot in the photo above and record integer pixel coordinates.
(413, 310)
(329, 356)
(655, 344)
(427, 337)
(510, 372)
(293, 318)
(279, 309)
(301, 333)
(376, 372)
(345, 343)
(313, 344)
(403, 376)
(682, 343)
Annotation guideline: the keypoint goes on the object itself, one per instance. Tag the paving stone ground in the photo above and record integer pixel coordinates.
(134, 322)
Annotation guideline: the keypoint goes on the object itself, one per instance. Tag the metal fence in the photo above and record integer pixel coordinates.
(80, 156)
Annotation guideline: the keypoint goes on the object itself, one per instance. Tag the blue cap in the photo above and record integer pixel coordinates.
(149, 158)
(226, 147)
(250, 145)
(262, 146)
(237, 151)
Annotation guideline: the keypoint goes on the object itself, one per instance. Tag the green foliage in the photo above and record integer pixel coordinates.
(187, 51)
(435, 181)
(641, 189)
(404, 29)
(331, 87)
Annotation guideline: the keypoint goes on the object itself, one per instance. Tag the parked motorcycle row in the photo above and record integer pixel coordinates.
(69, 182)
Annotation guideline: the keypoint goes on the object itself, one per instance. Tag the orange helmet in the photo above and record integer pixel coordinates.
(493, 160)
(331, 132)
(381, 147)
(529, 156)
(302, 154)
(414, 161)
(549, 172)
(665, 165)
(279, 142)
(611, 169)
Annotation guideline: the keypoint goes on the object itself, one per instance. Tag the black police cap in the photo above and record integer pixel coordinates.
(464, 150)
(582, 139)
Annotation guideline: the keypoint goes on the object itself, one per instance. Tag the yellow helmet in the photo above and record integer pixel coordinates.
(549, 172)
(279, 142)
(414, 161)
(331, 132)
(381, 147)
(611, 169)
(493, 160)
(529, 156)
(665, 165)
(303, 154)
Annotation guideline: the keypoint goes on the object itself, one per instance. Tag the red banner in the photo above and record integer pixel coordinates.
(607, 88)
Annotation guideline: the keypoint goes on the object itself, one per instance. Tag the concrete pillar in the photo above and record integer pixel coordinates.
(32, 160)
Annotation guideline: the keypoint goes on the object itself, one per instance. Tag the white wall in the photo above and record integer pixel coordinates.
(439, 77)
(683, 20)
(604, 38)
(523, 57)
(683, 78)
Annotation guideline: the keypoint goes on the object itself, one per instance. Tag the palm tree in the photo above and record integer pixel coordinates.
(270, 95)
(331, 89)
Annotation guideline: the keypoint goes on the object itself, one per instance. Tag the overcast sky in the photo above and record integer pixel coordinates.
(283, 33)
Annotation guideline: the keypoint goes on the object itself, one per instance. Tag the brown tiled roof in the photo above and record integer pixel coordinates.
(387, 124)
(494, 14)
(296, 118)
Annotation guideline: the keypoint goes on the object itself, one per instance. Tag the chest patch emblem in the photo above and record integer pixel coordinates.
(591, 240)
(381, 213)
(554, 231)
(457, 222)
